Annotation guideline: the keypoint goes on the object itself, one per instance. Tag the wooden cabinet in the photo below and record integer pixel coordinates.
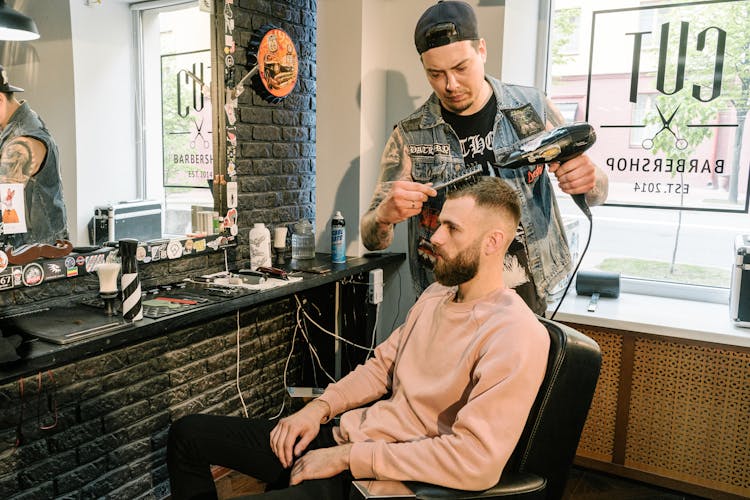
(670, 412)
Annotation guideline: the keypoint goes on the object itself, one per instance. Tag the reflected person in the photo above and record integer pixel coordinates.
(28, 156)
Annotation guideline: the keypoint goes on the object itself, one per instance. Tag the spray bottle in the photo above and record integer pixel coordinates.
(338, 239)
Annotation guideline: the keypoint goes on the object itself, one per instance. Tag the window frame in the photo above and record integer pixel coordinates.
(640, 286)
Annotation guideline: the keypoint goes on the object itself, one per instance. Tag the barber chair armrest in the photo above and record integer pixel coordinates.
(512, 485)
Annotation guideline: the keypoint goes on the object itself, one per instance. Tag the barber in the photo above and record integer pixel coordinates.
(28, 156)
(474, 120)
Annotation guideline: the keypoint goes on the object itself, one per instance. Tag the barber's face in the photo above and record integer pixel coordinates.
(457, 243)
(456, 74)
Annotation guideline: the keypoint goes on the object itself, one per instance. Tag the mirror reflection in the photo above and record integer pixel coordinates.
(124, 88)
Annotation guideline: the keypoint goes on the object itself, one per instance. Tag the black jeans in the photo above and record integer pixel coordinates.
(198, 441)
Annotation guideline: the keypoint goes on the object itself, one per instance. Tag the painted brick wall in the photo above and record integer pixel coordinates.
(114, 410)
(276, 142)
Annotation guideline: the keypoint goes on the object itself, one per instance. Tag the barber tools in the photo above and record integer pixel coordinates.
(461, 177)
(597, 284)
(279, 244)
(107, 272)
(558, 145)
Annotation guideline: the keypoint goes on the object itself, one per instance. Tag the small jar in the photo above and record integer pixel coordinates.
(303, 241)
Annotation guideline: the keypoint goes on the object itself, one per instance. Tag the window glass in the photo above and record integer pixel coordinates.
(663, 87)
(177, 115)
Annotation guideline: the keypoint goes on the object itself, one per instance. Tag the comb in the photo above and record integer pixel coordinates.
(460, 178)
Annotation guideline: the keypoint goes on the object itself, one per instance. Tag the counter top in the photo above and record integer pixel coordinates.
(43, 355)
(669, 317)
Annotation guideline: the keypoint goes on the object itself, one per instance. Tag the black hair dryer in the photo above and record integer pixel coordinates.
(558, 145)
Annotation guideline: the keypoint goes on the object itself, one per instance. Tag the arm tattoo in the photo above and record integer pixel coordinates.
(16, 162)
(395, 165)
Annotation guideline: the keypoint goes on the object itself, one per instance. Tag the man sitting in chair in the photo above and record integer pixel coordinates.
(463, 372)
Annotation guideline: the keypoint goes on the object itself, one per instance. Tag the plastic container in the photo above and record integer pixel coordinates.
(303, 241)
(338, 239)
(260, 246)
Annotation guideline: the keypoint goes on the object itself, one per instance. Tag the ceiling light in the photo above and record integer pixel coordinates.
(16, 26)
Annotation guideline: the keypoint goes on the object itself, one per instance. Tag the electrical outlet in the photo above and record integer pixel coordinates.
(375, 287)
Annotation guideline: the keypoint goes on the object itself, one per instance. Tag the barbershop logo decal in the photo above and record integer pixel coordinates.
(667, 99)
(186, 118)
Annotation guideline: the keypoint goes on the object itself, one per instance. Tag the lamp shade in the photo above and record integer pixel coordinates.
(16, 26)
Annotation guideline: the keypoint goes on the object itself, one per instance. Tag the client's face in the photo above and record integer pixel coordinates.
(456, 242)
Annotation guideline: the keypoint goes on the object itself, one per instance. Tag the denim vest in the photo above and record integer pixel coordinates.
(547, 246)
(45, 208)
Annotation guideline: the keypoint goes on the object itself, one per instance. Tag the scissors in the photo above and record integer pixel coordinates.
(199, 134)
(666, 125)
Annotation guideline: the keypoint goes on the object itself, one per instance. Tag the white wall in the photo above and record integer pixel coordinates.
(366, 49)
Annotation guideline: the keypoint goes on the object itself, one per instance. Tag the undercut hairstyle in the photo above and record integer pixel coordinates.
(493, 193)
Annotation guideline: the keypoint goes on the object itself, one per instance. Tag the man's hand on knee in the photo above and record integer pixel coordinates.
(292, 434)
(321, 463)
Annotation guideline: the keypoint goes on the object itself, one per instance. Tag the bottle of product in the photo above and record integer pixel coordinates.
(338, 239)
(132, 308)
(260, 246)
(303, 241)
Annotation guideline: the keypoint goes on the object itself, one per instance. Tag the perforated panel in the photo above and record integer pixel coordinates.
(597, 439)
(690, 414)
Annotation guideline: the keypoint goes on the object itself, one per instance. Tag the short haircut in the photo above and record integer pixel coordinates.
(8, 95)
(492, 193)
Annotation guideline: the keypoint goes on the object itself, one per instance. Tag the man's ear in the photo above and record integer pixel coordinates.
(496, 241)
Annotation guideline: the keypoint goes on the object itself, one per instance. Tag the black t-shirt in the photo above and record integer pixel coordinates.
(475, 134)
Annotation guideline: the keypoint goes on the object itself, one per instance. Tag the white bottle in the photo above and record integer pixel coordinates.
(260, 246)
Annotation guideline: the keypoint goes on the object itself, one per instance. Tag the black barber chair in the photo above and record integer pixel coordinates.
(541, 461)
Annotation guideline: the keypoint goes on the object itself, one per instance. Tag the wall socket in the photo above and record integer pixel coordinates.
(375, 287)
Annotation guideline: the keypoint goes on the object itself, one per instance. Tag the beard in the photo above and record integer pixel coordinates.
(459, 269)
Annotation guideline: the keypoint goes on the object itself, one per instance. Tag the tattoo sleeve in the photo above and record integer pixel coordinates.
(395, 165)
(16, 165)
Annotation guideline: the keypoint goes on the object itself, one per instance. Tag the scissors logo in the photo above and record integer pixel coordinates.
(199, 133)
(666, 125)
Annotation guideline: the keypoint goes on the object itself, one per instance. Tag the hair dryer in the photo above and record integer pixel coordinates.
(558, 145)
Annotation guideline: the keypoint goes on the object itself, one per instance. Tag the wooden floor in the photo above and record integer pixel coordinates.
(582, 485)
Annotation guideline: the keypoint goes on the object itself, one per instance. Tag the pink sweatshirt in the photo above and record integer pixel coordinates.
(463, 377)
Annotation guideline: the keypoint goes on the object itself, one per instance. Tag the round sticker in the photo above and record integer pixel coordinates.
(273, 50)
(33, 274)
(174, 249)
(140, 254)
(3, 261)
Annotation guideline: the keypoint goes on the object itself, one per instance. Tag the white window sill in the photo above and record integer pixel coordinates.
(680, 318)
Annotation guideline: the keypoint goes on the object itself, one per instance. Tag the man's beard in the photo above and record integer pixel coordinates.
(460, 269)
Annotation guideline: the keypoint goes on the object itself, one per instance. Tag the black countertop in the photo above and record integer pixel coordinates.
(46, 355)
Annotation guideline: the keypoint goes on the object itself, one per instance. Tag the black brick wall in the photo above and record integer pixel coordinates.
(276, 142)
(114, 409)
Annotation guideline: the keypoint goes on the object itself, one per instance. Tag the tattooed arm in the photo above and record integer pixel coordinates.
(396, 196)
(577, 175)
(20, 159)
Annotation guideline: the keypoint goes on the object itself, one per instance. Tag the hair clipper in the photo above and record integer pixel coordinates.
(558, 145)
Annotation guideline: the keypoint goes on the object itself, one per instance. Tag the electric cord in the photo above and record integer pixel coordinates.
(580, 200)
(237, 370)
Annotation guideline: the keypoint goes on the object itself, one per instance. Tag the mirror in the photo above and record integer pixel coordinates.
(97, 76)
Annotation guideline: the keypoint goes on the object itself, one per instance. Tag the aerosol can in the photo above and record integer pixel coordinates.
(338, 239)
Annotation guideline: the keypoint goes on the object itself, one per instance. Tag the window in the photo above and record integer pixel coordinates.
(175, 126)
(668, 229)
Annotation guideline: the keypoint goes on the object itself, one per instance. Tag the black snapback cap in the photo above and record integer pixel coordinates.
(5, 85)
(444, 23)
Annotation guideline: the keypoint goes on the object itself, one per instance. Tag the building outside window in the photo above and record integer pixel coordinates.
(666, 89)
